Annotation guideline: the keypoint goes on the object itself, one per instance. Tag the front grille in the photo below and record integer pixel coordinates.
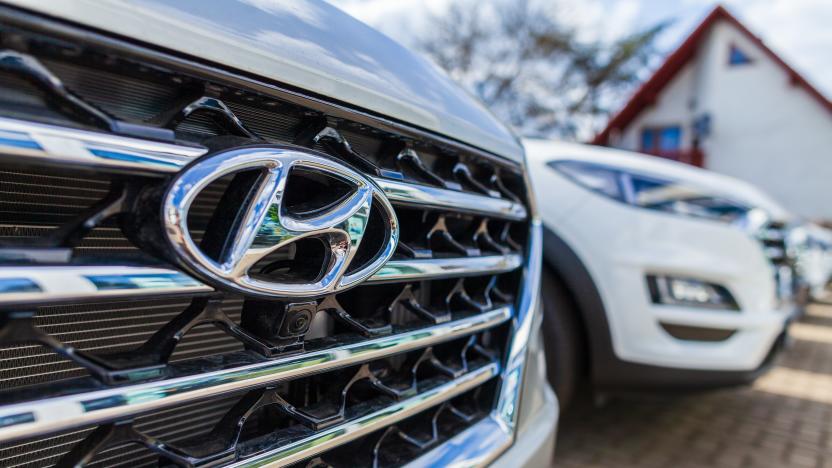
(151, 366)
(774, 239)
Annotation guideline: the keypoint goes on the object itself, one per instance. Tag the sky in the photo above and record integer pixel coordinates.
(798, 30)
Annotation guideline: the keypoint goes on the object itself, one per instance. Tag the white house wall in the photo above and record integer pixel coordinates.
(766, 130)
(763, 128)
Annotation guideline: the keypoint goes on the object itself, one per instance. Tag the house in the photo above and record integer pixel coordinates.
(725, 101)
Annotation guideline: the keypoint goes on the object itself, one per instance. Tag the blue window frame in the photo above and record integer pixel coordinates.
(670, 139)
(737, 57)
(648, 138)
(661, 139)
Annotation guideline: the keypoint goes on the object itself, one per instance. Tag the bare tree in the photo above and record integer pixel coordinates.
(530, 69)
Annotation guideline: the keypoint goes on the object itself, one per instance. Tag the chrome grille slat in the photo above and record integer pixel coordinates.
(408, 270)
(53, 144)
(47, 283)
(394, 271)
(413, 195)
(168, 158)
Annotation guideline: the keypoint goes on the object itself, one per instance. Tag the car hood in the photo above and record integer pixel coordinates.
(307, 44)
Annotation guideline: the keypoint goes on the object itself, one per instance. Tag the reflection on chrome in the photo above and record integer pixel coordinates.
(62, 145)
(527, 305)
(422, 195)
(44, 284)
(437, 268)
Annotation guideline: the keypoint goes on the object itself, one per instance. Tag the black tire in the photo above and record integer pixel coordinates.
(562, 338)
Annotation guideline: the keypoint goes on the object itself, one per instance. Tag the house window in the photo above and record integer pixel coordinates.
(737, 57)
(662, 141)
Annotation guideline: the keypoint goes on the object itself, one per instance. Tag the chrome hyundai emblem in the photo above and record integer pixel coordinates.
(264, 225)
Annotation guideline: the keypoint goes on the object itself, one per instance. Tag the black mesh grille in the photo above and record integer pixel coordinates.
(33, 202)
(106, 328)
(123, 96)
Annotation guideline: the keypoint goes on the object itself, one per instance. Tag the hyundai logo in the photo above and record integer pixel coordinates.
(259, 219)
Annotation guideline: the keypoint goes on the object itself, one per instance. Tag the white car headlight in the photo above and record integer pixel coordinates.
(660, 194)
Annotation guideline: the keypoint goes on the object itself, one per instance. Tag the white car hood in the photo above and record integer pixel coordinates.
(308, 44)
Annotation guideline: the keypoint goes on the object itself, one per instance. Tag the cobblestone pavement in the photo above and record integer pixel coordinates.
(784, 419)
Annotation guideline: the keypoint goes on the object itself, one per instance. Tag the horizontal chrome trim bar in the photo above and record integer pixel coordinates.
(352, 430)
(34, 418)
(49, 284)
(773, 234)
(422, 196)
(45, 284)
(438, 268)
(64, 145)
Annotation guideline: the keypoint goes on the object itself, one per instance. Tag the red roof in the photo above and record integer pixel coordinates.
(646, 95)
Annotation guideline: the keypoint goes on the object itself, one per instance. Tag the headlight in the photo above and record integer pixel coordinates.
(660, 194)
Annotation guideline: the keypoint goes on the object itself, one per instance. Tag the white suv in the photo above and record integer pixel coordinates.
(658, 275)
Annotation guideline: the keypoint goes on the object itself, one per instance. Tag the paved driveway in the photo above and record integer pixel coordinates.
(783, 419)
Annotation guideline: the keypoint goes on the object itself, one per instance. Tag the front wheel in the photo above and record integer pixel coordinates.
(562, 337)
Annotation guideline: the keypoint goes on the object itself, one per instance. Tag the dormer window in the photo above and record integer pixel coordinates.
(736, 56)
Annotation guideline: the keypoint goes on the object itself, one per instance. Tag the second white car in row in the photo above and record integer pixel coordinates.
(658, 275)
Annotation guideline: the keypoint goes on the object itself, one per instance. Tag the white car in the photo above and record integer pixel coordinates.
(657, 275)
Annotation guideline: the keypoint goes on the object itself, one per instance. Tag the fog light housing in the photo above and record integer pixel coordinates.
(671, 290)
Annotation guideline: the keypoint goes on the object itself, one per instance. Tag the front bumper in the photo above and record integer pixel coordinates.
(754, 334)
(665, 245)
(621, 376)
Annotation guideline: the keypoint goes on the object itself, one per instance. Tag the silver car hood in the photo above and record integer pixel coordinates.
(308, 44)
